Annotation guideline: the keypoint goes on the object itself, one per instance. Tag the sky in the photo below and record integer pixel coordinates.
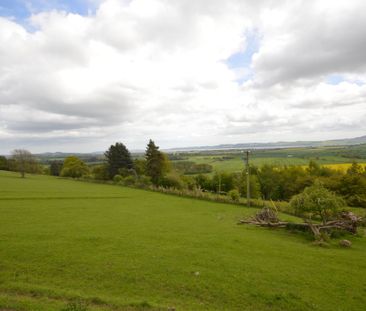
(78, 76)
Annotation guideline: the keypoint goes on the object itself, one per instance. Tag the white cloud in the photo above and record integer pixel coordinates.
(307, 39)
(157, 68)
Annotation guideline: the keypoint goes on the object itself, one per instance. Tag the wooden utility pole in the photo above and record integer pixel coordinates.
(248, 177)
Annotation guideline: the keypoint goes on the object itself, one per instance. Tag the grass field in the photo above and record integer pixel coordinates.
(125, 249)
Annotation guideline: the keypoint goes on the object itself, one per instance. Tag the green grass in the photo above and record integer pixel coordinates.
(125, 249)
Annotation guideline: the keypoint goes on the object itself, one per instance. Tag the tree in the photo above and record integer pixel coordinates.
(202, 182)
(3, 163)
(56, 167)
(355, 169)
(234, 195)
(118, 157)
(140, 166)
(100, 172)
(172, 180)
(24, 162)
(241, 185)
(157, 163)
(74, 167)
(269, 177)
(353, 186)
(222, 182)
(314, 169)
(317, 201)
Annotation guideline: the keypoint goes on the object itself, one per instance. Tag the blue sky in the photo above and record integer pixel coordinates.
(21, 9)
(334, 79)
(243, 58)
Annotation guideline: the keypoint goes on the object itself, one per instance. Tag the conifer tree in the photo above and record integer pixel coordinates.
(156, 163)
(118, 157)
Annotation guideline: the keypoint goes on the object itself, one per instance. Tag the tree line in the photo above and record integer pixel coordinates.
(268, 182)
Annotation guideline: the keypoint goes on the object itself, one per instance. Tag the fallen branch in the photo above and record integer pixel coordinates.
(268, 218)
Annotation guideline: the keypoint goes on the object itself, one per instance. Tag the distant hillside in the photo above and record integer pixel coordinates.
(281, 144)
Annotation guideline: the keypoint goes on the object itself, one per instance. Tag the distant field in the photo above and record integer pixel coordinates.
(234, 163)
(343, 166)
(127, 249)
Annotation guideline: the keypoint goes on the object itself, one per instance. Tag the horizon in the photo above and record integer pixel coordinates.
(80, 75)
(264, 145)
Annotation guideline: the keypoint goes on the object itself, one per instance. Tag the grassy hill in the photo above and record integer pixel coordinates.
(125, 249)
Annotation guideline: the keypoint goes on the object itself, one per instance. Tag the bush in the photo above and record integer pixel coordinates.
(117, 179)
(143, 182)
(100, 172)
(128, 181)
(357, 200)
(234, 195)
(55, 167)
(172, 181)
(3, 163)
(189, 182)
(317, 201)
(74, 167)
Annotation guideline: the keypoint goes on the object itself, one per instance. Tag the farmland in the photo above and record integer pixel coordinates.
(119, 248)
(233, 160)
(342, 166)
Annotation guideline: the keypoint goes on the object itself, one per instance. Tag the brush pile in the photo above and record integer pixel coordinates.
(267, 217)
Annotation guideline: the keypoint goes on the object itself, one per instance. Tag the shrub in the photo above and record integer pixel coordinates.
(143, 182)
(189, 182)
(356, 200)
(74, 167)
(117, 179)
(234, 195)
(128, 181)
(100, 172)
(3, 163)
(172, 181)
(317, 201)
(55, 167)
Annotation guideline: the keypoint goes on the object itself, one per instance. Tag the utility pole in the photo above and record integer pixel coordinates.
(248, 177)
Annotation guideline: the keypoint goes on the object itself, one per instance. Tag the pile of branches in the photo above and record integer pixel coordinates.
(267, 217)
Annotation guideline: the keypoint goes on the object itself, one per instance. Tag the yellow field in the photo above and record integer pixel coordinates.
(338, 166)
(342, 166)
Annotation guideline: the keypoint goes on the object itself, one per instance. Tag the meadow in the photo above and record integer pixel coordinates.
(120, 248)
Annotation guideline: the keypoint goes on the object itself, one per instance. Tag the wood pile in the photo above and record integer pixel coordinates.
(267, 217)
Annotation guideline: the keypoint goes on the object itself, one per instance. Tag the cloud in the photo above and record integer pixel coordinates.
(131, 70)
(307, 39)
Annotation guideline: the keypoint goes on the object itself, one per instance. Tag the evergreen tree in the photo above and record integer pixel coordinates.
(118, 157)
(56, 167)
(3, 163)
(156, 163)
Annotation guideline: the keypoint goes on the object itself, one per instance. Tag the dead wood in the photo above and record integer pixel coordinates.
(267, 217)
